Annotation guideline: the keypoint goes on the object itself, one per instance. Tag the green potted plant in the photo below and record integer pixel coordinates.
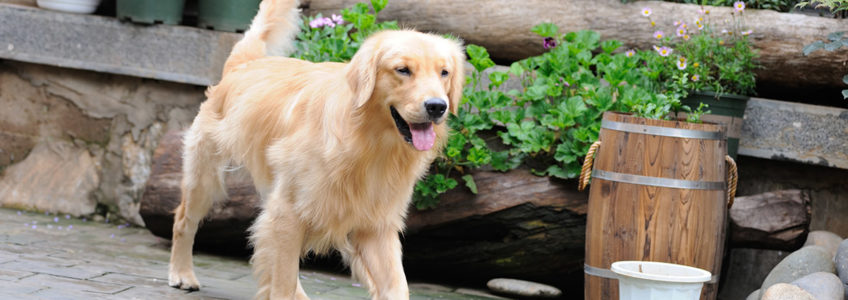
(709, 62)
(150, 11)
(226, 15)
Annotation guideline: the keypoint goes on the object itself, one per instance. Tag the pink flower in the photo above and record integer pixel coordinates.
(663, 51)
(658, 34)
(321, 22)
(739, 6)
(630, 53)
(337, 19)
(681, 31)
(681, 63)
(696, 77)
(646, 12)
(747, 32)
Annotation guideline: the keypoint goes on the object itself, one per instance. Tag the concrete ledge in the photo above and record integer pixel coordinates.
(172, 53)
(796, 132)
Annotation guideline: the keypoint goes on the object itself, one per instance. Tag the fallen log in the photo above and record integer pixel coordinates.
(776, 220)
(518, 225)
(503, 26)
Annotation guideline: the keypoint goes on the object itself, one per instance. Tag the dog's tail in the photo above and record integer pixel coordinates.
(272, 31)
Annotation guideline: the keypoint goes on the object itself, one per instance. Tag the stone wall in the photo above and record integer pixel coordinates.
(72, 141)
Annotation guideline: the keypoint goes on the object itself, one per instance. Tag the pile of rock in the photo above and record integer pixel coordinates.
(819, 270)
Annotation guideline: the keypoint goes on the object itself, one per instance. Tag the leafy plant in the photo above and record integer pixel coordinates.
(836, 39)
(337, 38)
(702, 56)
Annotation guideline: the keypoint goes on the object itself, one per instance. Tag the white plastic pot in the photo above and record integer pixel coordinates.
(71, 6)
(648, 280)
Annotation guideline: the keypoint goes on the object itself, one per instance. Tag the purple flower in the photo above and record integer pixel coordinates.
(67, 217)
(19, 212)
(55, 219)
(321, 22)
(356, 285)
(681, 31)
(60, 227)
(70, 226)
(739, 6)
(337, 19)
(658, 34)
(34, 226)
(630, 53)
(549, 43)
(112, 236)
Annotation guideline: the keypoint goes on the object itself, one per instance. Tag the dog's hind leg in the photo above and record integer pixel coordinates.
(375, 260)
(277, 237)
(202, 185)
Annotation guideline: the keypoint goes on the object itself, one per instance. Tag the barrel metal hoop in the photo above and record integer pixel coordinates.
(662, 131)
(599, 272)
(659, 181)
(607, 273)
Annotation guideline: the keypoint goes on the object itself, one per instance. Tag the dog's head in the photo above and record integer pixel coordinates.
(409, 79)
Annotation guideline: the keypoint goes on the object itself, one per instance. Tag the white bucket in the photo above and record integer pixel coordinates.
(648, 280)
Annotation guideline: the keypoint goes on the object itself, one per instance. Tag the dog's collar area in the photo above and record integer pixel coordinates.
(402, 125)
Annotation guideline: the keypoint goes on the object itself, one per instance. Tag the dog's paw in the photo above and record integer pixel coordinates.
(184, 281)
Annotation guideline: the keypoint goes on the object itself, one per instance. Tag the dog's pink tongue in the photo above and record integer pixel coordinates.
(423, 136)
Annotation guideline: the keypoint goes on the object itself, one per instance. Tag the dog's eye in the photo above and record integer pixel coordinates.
(404, 71)
(445, 73)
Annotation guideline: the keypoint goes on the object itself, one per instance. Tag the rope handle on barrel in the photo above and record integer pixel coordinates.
(585, 173)
(732, 178)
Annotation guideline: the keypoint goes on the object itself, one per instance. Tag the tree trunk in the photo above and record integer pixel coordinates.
(777, 220)
(518, 225)
(503, 26)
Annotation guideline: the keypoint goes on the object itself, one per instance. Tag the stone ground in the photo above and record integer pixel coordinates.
(58, 257)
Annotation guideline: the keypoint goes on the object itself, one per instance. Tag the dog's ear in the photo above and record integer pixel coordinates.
(457, 79)
(361, 72)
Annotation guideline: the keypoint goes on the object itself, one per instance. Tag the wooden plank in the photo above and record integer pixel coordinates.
(797, 132)
(102, 44)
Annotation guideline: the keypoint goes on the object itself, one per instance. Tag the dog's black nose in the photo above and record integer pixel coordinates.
(435, 107)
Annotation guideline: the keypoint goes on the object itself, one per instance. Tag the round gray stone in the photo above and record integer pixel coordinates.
(755, 295)
(822, 285)
(841, 261)
(785, 291)
(826, 239)
(805, 261)
(523, 288)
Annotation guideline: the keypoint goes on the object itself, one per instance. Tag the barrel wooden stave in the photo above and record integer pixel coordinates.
(637, 222)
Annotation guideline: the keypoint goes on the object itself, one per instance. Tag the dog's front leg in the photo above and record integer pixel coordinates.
(376, 261)
(278, 241)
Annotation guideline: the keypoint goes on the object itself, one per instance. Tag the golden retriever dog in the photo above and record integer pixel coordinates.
(334, 150)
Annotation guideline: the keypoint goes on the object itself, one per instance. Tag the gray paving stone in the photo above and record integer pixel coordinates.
(73, 285)
(13, 275)
(87, 262)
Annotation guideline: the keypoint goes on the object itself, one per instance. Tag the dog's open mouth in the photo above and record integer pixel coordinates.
(420, 135)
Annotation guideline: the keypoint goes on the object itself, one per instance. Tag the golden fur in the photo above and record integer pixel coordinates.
(322, 147)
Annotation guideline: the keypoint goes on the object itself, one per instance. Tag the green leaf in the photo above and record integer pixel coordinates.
(469, 182)
(835, 36)
(610, 45)
(379, 5)
(498, 78)
(479, 57)
(813, 47)
(516, 69)
(545, 29)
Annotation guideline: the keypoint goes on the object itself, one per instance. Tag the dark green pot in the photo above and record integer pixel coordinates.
(728, 109)
(226, 15)
(151, 11)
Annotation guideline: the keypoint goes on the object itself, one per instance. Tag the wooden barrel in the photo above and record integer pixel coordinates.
(658, 193)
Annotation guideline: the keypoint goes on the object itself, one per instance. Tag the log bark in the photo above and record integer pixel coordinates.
(776, 220)
(503, 26)
(518, 225)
